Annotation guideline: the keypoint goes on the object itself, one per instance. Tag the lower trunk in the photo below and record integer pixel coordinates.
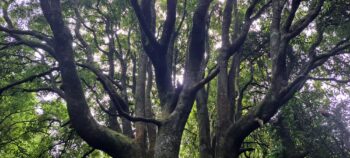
(170, 133)
(168, 142)
(152, 134)
(205, 150)
(234, 136)
(151, 129)
(224, 151)
(224, 111)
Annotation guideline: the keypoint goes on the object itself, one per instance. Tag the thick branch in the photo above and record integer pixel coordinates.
(10, 45)
(30, 43)
(35, 45)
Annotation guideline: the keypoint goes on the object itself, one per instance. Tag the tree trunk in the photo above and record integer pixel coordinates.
(127, 129)
(112, 120)
(151, 129)
(223, 108)
(169, 134)
(168, 141)
(205, 149)
(140, 103)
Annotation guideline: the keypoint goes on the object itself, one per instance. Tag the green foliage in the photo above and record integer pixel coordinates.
(190, 139)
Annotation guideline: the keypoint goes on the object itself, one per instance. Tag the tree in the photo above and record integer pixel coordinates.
(118, 46)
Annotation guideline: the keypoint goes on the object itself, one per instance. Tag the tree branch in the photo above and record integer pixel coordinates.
(238, 42)
(88, 153)
(144, 27)
(97, 100)
(290, 18)
(329, 79)
(261, 10)
(10, 114)
(250, 10)
(118, 102)
(184, 13)
(50, 89)
(169, 23)
(205, 80)
(300, 25)
(226, 23)
(28, 79)
(10, 44)
(38, 35)
(86, 46)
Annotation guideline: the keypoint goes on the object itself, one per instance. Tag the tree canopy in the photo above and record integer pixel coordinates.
(175, 78)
